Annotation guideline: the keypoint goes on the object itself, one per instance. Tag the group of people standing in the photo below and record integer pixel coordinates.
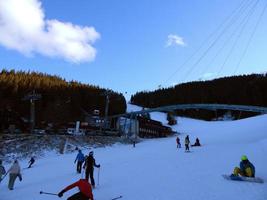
(246, 169)
(85, 188)
(187, 143)
(88, 163)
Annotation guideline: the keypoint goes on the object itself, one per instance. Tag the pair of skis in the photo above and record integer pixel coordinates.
(49, 193)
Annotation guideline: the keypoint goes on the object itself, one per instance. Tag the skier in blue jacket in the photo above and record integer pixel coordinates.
(80, 158)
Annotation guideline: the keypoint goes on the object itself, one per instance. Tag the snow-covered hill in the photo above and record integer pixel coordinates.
(156, 170)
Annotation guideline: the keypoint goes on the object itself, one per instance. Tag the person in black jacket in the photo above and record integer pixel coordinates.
(187, 142)
(31, 162)
(197, 143)
(89, 168)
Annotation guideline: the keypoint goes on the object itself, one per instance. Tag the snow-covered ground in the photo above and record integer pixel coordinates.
(157, 170)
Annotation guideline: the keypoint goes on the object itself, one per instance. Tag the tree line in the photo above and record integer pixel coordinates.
(240, 90)
(61, 101)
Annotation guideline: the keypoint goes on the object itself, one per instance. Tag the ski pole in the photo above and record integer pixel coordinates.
(98, 176)
(25, 168)
(3, 177)
(41, 192)
(82, 173)
(117, 197)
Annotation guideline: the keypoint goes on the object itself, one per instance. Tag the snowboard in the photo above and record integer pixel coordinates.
(242, 178)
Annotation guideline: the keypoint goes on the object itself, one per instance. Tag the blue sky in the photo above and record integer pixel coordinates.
(130, 40)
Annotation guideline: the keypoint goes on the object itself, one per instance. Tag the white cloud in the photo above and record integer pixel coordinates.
(175, 40)
(23, 27)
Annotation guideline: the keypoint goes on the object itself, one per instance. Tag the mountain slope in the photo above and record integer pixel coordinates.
(156, 170)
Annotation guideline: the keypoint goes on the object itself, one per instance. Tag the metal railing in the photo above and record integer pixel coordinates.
(257, 109)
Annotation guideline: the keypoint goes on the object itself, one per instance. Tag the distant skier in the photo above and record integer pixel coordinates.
(31, 162)
(85, 192)
(89, 165)
(14, 172)
(134, 142)
(187, 142)
(80, 159)
(2, 170)
(246, 169)
(197, 143)
(178, 142)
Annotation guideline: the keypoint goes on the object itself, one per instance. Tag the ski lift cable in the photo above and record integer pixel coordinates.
(225, 44)
(251, 37)
(237, 9)
(210, 47)
(245, 22)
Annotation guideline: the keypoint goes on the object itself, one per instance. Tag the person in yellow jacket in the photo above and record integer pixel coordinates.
(246, 169)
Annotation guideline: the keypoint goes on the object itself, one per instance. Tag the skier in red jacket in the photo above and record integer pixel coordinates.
(85, 191)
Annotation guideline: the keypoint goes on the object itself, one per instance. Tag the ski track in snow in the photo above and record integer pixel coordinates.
(157, 170)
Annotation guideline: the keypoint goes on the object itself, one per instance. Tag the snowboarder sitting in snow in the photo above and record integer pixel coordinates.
(89, 165)
(246, 169)
(178, 142)
(85, 192)
(2, 170)
(31, 162)
(197, 143)
(80, 159)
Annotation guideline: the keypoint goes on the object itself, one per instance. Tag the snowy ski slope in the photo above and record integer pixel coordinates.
(156, 170)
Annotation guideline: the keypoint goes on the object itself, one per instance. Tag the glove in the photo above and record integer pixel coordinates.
(98, 166)
(60, 194)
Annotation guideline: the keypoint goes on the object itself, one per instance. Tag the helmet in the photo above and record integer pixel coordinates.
(244, 158)
(91, 153)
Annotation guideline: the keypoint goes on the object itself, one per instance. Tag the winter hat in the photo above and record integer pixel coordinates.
(244, 158)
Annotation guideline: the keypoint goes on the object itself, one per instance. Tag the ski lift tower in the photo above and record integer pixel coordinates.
(106, 109)
(32, 98)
